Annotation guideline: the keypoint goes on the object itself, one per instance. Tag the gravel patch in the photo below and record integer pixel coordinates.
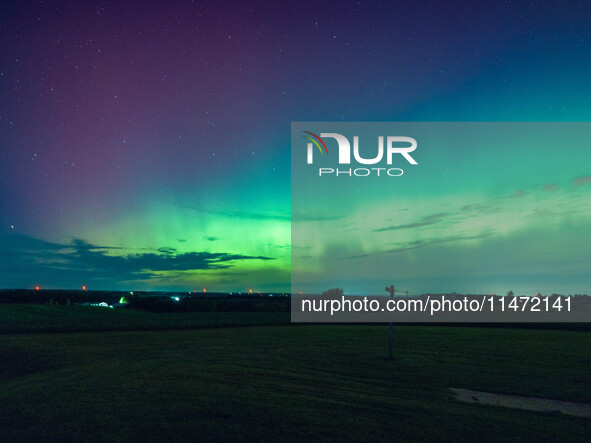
(519, 402)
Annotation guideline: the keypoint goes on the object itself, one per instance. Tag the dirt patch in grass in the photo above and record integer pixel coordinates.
(526, 403)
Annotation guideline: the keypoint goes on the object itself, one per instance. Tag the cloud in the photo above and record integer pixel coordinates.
(273, 245)
(353, 257)
(479, 209)
(81, 244)
(209, 238)
(435, 241)
(580, 181)
(519, 193)
(425, 221)
(28, 259)
(300, 248)
(167, 251)
(14, 243)
(306, 216)
(416, 244)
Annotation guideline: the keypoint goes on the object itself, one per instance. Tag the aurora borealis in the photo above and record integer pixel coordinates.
(146, 145)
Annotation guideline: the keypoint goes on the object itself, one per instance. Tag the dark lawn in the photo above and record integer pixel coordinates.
(289, 383)
(15, 318)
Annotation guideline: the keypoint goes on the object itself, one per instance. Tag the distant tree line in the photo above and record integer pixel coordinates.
(161, 302)
(57, 296)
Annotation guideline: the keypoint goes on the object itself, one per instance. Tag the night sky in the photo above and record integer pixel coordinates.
(146, 145)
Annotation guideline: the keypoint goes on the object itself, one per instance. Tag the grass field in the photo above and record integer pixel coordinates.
(15, 318)
(288, 383)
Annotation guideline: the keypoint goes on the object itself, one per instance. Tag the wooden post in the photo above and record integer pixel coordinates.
(390, 327)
